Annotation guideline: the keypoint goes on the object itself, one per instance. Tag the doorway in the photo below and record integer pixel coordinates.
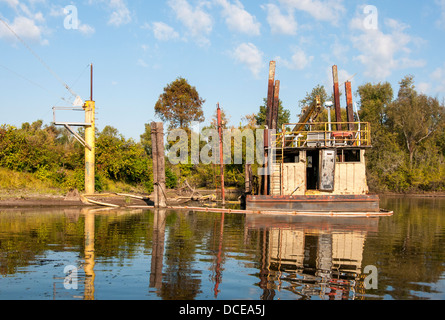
(312, 169)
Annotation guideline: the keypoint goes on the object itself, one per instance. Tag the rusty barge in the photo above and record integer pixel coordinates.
(311, 167)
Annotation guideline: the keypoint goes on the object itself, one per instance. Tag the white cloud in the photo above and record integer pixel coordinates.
(280, 23)
(11, 3)
(299, 60)
(250, 55)
(238, 19)
(322, 10)
(25, 28)
(199, 23)
(142, 63)
(441, 21)
(382, 53)
(27, 24)
(120, 15)
(438, 78)
(86, 29)
(56, 11)
(424, 87)
(163, 31)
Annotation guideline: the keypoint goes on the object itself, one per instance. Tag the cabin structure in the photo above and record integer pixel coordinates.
(312, 166)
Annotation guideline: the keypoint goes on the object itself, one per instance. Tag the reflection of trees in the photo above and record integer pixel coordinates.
(25, 235)
(181, 277)
(180, 280)
(407, 249)
(409, 246)
(120, 235)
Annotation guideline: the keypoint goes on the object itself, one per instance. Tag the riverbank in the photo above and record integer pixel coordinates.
(28, 199)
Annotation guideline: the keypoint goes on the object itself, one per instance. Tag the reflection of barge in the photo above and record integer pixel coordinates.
(314, 167)
(314, 257)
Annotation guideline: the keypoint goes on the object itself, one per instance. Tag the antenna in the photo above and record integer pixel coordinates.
(91, 85)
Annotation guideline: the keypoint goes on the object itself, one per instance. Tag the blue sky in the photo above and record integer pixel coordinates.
(222, 47)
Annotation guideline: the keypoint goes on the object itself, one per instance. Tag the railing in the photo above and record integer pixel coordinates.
(324, 134)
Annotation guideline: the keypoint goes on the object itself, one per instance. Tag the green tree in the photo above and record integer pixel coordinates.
(146, 139)
(283, 114)
(120, 159)
(375, 99)
(180, 104)
(386, 167)
(416, 116)
(310, 99)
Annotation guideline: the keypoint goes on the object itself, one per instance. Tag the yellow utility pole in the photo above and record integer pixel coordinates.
(90, 135)
(90, 139)
(90, 148)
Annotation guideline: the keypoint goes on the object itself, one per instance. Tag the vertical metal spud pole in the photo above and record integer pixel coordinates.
(90, 139)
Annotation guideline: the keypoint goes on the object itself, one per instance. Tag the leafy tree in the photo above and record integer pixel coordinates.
(180, 104)
(416, 116)
(146, 139)
(283, 114)
(385, 161)
(375, 99)
(120, 159)
(310, 99)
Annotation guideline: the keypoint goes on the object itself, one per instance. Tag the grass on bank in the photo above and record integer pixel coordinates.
(15, 184)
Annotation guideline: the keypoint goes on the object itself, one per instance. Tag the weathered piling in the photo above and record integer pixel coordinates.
(157, 140)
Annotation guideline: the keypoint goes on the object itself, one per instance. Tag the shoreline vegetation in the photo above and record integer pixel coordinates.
(20, 188)
(407, 158)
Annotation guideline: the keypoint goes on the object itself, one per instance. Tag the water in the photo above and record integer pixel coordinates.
(165, 255)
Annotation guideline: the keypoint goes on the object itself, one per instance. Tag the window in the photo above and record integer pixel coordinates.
(292, 158)
(348, 156)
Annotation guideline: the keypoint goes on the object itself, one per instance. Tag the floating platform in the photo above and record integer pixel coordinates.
(338, 214)
(327, 205)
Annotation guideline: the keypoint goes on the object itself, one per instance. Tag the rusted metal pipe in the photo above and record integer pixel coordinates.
(221, 155)
(337, 97)
(270, 94)
(349, 105)
(275, 106)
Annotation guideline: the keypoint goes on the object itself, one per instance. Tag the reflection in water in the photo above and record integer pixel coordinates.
(157, 255)
(218, 273)
(166, 254)
(311, 259)
(89, 254)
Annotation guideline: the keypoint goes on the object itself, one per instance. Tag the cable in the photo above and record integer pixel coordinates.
(24, 78)
(38, 58)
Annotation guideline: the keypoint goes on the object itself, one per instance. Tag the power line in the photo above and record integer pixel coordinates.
(24, 78)
(38, 58)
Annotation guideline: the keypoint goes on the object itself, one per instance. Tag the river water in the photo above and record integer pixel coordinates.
(174, 255)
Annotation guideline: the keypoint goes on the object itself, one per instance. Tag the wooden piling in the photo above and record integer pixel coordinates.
(157, 139)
